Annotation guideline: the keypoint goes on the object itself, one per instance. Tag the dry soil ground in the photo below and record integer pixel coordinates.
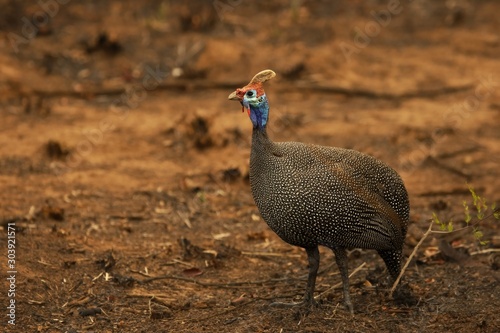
(124, 169)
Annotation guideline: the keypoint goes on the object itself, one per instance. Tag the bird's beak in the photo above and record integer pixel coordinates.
(233, 96)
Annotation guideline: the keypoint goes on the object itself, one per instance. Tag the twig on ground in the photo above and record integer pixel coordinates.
(269, 254)
(223, 285)
(448, 168)
(211, 284)
(162, 297)
(429, 93)
(338, 285)
(485, 251)
(188, 85)
(225, 311)
(185, 219)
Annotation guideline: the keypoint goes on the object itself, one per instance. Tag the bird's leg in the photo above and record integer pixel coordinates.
(313, 258)
(308, 301)
(341, 259)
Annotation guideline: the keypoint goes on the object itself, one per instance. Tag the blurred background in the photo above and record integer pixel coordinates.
(120, 151)
(354, 44)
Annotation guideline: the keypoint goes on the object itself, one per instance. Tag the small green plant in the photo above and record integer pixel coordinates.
(472, 220)
(482, 212)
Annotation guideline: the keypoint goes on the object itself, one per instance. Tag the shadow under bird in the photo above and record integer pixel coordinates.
(312, 195)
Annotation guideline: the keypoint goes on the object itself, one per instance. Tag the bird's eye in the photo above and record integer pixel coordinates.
(250, 93)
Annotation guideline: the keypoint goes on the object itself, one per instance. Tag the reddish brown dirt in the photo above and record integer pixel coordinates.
(112, 176)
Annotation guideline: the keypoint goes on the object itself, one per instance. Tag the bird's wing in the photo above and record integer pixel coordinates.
(368, 191)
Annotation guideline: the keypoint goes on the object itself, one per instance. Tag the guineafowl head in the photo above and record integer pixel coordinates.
(253, 98)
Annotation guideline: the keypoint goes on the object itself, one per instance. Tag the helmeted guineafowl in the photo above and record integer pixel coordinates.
(313, 195)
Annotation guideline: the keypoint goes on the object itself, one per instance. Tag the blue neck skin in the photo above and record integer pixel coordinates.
(259, 111)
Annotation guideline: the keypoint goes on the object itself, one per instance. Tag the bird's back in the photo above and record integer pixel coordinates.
(314, 195)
